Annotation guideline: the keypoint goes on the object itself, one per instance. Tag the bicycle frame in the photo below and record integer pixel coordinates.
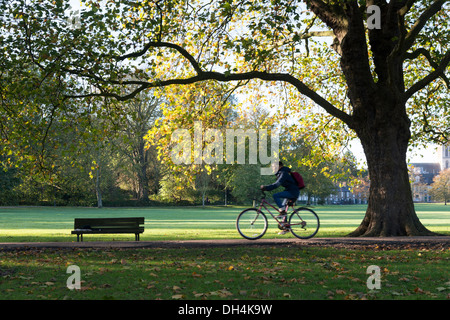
(263, 204)
(252, 224)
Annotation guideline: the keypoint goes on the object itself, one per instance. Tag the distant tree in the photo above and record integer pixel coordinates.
(9, 179)
(141, 114)
(440, 189)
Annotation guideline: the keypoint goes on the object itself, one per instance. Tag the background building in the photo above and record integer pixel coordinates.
(444, 158)
(422, 175)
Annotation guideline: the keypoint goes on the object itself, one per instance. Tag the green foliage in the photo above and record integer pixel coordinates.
(245, 182)
(119, 50)
(8, 181)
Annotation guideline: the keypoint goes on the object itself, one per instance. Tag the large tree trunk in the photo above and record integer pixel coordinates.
(385, 136)
(379, 119)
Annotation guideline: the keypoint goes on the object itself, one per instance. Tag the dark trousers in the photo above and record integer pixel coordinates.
(281, 198)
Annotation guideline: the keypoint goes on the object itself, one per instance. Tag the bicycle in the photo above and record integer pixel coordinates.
(303, 222)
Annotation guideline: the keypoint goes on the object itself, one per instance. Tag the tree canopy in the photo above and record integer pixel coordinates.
(375, 70)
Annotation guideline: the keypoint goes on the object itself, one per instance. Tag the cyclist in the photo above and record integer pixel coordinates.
(285, 180)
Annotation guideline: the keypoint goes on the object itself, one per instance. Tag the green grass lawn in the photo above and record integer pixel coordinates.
(268, 273)
(29, 224)
(255, 273)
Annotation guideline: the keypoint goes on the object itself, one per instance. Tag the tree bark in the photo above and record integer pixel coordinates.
(385, 136)
(98, 190)
(143, 190)
(380, 120)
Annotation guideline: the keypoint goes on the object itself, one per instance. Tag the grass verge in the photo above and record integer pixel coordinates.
(274, 273)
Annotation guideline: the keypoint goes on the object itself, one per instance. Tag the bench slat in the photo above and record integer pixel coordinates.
(108, 225)
(102, 222)
(109, 230)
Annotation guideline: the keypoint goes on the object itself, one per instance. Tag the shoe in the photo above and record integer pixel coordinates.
(282, 213)
(283, 232)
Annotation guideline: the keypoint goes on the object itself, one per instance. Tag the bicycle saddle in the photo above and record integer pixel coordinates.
(291, 202)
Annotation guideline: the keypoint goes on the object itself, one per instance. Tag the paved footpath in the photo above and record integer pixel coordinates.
(439, 242)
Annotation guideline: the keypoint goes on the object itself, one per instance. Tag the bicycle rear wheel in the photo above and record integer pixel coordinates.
(251, 224)
(304, 223)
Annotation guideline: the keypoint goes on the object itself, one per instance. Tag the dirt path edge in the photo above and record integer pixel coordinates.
(439, 242)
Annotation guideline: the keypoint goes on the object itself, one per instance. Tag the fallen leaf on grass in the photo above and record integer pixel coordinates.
(418, 290)
(199, 295)
(224, 293)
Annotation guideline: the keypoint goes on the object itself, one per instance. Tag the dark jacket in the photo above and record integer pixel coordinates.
(285, 179)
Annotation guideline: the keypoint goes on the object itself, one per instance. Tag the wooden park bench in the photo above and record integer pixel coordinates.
(108, 225)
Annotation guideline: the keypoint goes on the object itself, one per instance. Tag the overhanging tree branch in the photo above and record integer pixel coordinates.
(162, 44)
(411, 36)
(328, 14)
(227, 77)
(427, 55)
(285, 77)
(439, 71)
(401, 7)
(209, 75)
(310, 34)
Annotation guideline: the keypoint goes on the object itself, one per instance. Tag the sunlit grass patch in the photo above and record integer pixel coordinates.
(22, 224)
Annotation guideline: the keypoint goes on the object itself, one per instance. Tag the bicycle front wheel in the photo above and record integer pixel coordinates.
(251, 224)
(304, 223)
